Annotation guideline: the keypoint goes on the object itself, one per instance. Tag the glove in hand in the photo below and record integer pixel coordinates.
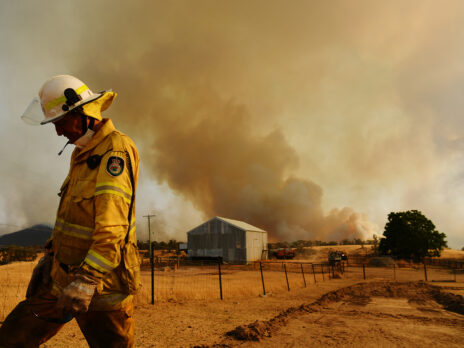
(40, 276)
(77, 295)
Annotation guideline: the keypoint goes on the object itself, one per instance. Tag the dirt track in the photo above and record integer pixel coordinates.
(335, 313)
(368, 314)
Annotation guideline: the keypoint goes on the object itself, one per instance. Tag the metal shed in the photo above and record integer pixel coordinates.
(232, 240)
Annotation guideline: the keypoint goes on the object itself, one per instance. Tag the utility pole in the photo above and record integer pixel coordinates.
(152, 264)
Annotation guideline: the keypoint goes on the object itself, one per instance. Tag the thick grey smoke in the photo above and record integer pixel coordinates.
(269, 112)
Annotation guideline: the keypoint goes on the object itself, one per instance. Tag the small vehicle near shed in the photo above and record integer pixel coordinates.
(284, 253)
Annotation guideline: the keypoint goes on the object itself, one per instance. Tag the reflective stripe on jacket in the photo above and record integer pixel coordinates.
(92, 219)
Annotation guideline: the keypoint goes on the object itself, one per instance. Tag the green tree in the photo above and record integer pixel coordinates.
(411, 235)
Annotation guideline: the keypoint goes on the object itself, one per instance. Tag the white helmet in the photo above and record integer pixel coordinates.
(58, 96)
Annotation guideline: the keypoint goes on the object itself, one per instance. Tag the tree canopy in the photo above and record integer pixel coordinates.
(411, 235)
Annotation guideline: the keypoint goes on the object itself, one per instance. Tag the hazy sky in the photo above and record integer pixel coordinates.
(311, 119)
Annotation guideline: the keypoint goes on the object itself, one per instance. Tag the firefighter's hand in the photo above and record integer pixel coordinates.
(40, 275)
(76, 296)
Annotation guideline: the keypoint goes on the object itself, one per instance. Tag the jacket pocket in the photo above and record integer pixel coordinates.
(71, 250)
(82, 205)
(82, 190)
(129, 268)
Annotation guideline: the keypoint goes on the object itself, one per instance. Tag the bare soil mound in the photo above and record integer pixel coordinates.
(358, 294)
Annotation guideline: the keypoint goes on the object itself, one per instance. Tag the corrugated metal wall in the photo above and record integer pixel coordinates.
(256, 242)
(217, 238)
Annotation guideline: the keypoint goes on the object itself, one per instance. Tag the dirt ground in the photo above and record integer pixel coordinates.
(335, 313)
(345, 312)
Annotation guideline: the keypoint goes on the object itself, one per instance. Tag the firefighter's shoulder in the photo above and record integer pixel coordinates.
(120, 142)
(113, 174)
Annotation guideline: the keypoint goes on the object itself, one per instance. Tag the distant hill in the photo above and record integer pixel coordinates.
(34, 235)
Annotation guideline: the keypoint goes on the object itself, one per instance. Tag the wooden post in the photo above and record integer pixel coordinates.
(394, 271)
(151, 260)
(302, 273)
(262, 278)
(152, 263)
(314, 274)
(322, 270)
(220, 278)
(364, 271)
(286, 276)
(425, 271)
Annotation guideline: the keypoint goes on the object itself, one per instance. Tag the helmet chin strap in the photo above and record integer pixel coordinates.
(84, 129)
(84, 123)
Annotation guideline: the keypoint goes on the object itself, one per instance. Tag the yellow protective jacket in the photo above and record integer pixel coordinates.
(93, 217)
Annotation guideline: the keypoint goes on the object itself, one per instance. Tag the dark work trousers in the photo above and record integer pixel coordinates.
(26, 326)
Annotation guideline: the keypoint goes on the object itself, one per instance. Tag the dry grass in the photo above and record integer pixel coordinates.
(14, 279)
(202, 283)
(321, 252)
(452, 254)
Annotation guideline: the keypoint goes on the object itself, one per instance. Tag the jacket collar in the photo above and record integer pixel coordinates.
(102, 133)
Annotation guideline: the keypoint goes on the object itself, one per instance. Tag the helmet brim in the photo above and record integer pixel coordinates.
(81, 103)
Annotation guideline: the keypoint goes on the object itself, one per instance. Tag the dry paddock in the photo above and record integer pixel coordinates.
(188, 310)
(202, 281)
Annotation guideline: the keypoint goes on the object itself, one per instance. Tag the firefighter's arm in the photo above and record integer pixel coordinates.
(113, 193)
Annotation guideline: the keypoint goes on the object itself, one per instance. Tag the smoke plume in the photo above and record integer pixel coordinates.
(281, 115)
(205, 145)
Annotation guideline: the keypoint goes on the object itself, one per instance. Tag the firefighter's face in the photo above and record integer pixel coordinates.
(69, 126)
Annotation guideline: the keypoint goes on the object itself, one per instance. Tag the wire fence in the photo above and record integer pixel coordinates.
(176, 279)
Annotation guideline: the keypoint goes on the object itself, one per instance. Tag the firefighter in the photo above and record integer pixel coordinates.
(91, 269)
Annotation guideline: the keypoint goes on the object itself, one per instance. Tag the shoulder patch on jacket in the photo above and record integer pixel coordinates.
(115, 165)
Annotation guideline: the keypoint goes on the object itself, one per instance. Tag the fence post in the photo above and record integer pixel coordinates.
(425, 272)
(394, 271)
(314, 274)
(322, 270)
(286, 276)
(220, 278)
(302, 273)
(152, 265)
(364, 271)
(262, 278)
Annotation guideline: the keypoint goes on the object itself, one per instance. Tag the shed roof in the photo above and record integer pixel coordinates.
(240, 224)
